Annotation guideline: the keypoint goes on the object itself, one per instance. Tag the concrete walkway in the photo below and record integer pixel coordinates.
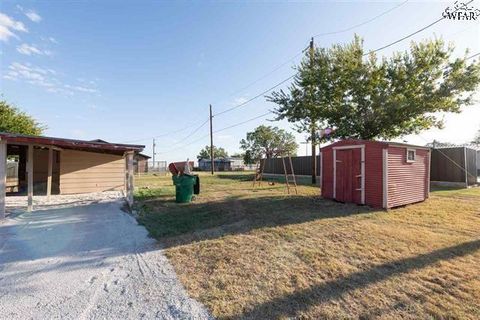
(86, 260)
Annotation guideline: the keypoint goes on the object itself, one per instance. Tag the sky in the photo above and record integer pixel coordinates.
(127, 71)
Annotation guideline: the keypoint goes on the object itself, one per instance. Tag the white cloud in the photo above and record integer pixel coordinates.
(44, 78)
(49, 39)
(32, 15)
(28, 50)
(81, 88)
(7, 27)
(239, 100)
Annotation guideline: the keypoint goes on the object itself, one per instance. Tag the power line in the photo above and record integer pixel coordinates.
(255, 97)
(219, 130)
(411, 34)
(271, 72)
(362, 23)
(243, 122)
(164, 134)
(192, 133)
(371, 51)
(317, 35)
(292, 76)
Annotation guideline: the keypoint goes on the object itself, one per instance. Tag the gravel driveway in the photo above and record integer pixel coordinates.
(86, 260)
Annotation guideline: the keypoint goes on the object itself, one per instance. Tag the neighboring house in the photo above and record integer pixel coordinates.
(378, 174)
(222, 164)
(49, 165)
(140, 163)
(454, 166)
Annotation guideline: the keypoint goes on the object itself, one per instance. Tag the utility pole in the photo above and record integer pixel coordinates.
(153, 155)
(211, 142)
(313, 127)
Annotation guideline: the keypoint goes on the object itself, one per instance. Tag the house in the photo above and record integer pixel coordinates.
(455, 166)
(140, 163)
(48, 165)
(374, 173)
(221, 164)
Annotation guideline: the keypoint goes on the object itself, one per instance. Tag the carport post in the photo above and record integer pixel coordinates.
(3, 176)
(50, 169)
(30, 177)
(130, 178)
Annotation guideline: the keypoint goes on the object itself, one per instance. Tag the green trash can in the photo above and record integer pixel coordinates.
(184, 187)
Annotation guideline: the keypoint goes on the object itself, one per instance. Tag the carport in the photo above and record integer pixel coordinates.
(46, 165)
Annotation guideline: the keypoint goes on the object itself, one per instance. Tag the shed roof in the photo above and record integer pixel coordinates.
(385, 143)
(84, 145)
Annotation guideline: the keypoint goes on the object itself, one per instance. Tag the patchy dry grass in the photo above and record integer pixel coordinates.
(262, 255)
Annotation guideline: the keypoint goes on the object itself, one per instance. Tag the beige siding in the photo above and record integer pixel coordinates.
(82, 172)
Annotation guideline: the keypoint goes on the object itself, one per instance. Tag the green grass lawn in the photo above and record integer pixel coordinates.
(263, 254)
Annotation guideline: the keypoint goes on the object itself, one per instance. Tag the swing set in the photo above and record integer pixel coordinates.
(290, 179)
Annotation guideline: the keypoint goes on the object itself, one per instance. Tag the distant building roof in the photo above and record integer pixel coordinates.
(83, 145)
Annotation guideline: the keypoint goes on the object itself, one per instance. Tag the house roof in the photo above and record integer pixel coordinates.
(64, 143)
(143, 155)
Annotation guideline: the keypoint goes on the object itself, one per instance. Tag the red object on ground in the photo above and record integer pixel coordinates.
(375, 173)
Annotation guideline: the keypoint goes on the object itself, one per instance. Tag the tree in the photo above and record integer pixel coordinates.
(217, 153)
(366, 98)
(269, 141)
(14, 120)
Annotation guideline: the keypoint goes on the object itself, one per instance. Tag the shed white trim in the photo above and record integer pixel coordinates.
(385, 178)
(334, 174)
(363, 173)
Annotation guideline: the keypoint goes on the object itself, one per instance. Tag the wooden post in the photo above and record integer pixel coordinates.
(30, 177)
(130, 179)
(3, 176)
(50, 170)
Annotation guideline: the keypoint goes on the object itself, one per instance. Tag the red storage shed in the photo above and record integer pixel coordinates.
(375, 173)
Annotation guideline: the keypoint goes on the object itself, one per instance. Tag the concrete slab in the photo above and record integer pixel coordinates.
(86, 260)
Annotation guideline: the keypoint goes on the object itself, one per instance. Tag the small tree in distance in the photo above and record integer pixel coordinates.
(267, 141)
(218, 152)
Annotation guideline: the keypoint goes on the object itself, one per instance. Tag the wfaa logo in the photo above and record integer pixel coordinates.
(461, 11)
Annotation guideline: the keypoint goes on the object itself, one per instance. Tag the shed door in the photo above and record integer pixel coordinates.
(348, 176)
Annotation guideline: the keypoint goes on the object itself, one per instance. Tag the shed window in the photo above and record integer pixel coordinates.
(411, 155)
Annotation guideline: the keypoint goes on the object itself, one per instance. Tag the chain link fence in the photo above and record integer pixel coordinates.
(157, 167)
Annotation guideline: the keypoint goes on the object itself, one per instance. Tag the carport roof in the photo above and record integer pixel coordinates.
(84, 145)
